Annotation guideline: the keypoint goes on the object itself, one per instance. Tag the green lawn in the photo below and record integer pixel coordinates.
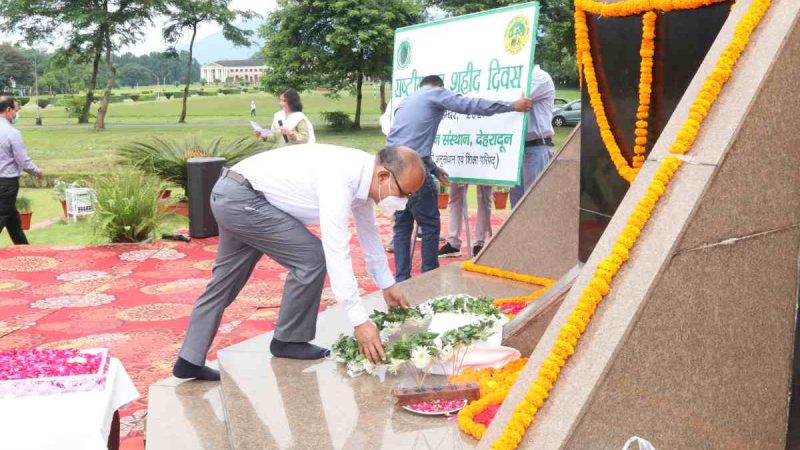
(46, 207)
(63, 147)
(80, 233)
(219, 109)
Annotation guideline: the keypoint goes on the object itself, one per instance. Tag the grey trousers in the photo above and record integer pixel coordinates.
(249, 226)
(483, 226)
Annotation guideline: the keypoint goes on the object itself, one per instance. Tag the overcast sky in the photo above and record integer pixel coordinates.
(152, 37)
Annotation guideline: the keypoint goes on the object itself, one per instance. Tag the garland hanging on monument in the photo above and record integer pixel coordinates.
(510, 306)
(598, 287)
(586, 69)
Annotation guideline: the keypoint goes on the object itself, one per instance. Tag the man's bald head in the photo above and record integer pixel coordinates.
(401, 166)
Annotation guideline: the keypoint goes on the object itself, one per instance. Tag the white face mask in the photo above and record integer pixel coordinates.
(391, 204)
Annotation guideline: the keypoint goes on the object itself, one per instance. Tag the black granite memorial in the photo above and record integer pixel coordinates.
(682, 41)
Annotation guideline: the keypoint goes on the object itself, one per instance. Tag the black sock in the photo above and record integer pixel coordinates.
(184, 369)
(297, 350)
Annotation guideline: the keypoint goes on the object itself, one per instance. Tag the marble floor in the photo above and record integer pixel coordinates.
(271, 403)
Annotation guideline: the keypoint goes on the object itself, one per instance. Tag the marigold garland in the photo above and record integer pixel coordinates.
(496, 383)
(494, 386)
(599, 286)
(646, 51)
(500, 273)
(586, 70)
(511, 301)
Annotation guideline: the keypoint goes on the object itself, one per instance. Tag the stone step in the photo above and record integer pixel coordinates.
(277, 403)
(185, 415)
(266, 403)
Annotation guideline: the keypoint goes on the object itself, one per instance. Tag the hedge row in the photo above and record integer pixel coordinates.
(49, 179)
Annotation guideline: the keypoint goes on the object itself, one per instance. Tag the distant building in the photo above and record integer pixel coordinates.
(248, 70)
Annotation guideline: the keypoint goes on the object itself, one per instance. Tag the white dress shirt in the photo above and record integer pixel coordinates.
(323, 184)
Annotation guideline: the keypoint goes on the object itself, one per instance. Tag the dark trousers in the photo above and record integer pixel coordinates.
(9, 216)
(422, 207)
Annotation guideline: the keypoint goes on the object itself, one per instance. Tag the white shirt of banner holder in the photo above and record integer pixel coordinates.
(79, 203)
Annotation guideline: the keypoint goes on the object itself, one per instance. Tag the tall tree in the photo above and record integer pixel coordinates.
(71, 20)
(335, 44)
(186, 15)
(459, 7)
(15, 69)
(555, 47)
(122, 23)
(133, 74)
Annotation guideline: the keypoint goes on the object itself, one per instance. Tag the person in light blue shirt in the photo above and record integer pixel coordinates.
(14, 160)
(416, 121)
(539, 140)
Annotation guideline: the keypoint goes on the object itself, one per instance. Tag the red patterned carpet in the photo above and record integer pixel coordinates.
(135, 300)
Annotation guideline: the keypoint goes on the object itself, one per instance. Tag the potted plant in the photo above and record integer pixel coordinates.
(127, 206)
(60, 192)
(444, 197)
(168, 158)
(23, 205)
(500, 197)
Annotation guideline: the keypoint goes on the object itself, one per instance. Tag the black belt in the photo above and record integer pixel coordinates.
(228, 173)
(533, 142)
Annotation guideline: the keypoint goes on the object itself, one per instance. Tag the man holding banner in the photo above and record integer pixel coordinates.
(538, 140)
(416, 121)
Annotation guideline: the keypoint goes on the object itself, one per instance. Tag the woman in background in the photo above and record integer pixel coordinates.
(289, 125)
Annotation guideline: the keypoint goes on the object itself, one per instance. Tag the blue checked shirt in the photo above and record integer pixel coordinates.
(417, 118)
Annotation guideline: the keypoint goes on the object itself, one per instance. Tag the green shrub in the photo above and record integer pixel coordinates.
(23, 100)
(337, 120)
(50, 179)
(169, 95)
(65, 101)
(43, 102)
(23, 204)
(167, 158)
(127, 206)
(134, 97)
(147, 98)
(73, 105)
(208, 93)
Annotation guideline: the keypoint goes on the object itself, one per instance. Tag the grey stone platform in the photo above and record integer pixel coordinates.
(272, 403)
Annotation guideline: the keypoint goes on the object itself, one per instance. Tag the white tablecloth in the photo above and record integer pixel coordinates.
(79, 421)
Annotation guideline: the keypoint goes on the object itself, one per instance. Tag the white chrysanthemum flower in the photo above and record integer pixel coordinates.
(368, 366)
(446, 352)
(395, 365)
(420, 357)
(354, 369)
(426, 309)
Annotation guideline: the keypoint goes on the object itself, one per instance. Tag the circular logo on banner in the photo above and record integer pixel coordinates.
(404, 54)
(517, 34)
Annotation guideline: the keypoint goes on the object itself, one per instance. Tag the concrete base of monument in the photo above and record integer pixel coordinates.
(265, 402)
